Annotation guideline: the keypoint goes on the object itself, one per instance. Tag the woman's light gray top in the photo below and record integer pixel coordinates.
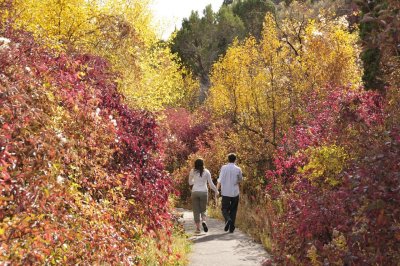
(200, 182)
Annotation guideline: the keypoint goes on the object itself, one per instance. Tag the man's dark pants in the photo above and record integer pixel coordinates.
(229, 208)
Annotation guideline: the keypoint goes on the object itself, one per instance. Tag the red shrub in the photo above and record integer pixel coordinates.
(350, 217)
(182, 131)
(80, 175)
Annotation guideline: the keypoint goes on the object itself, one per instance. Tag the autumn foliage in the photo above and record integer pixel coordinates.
(95, 111)
(150, 76)
(81, 179)
(335, 183)
(319, 152)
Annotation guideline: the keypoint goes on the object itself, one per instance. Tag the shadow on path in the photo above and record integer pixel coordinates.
(217, 247)
(224, 236)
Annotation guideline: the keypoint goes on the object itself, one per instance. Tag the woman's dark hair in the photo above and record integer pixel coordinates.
(199, 166)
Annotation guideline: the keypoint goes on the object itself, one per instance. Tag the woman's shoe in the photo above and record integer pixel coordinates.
(204, 226)
(197, 231)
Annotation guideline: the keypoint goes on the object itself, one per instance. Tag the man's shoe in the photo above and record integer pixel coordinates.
(204, 226)
(232, 228)
(227, 225)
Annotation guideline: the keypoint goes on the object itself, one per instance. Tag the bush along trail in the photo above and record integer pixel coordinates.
(81, 176)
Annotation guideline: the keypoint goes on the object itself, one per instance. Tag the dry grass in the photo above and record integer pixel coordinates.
(180, 252)
(253, 217)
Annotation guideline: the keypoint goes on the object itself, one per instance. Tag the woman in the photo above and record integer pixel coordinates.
(198, 177)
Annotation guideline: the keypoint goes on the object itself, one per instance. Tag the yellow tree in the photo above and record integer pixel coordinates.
(163, 81)
(330, 55)
(119, 30)
(249, 84)
(84, 24)
(58, 23)
(258, 85)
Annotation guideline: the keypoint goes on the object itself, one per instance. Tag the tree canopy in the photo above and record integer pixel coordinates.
(202, 39)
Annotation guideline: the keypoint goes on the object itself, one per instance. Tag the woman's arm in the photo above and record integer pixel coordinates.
(210, 182)
(191, 178)
(219, 180)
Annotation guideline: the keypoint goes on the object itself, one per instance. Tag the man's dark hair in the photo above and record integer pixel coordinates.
(231, 157)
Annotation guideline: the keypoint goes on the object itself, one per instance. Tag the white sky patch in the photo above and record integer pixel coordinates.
(168, 14)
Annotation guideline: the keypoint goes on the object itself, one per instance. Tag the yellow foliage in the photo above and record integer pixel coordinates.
(324, 165)
(313, 256)
(151, 77)
(330, 57)
(339, 241)
(163, 82)
(58, 24)
(338, 246)
(258, 84)
(79, 23)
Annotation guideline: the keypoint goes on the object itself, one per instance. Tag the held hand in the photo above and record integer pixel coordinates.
(216, 198)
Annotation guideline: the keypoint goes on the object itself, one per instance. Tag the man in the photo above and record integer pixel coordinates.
(229, 178)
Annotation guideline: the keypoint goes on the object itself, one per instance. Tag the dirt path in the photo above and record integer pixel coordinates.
(218, 247)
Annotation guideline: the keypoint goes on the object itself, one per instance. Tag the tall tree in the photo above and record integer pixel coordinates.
(201, 40)
(252, 13)
(380, 32)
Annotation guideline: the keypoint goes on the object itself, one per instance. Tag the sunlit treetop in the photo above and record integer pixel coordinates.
(118, 30)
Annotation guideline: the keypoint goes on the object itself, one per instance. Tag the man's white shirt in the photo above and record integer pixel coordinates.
(229, 177)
